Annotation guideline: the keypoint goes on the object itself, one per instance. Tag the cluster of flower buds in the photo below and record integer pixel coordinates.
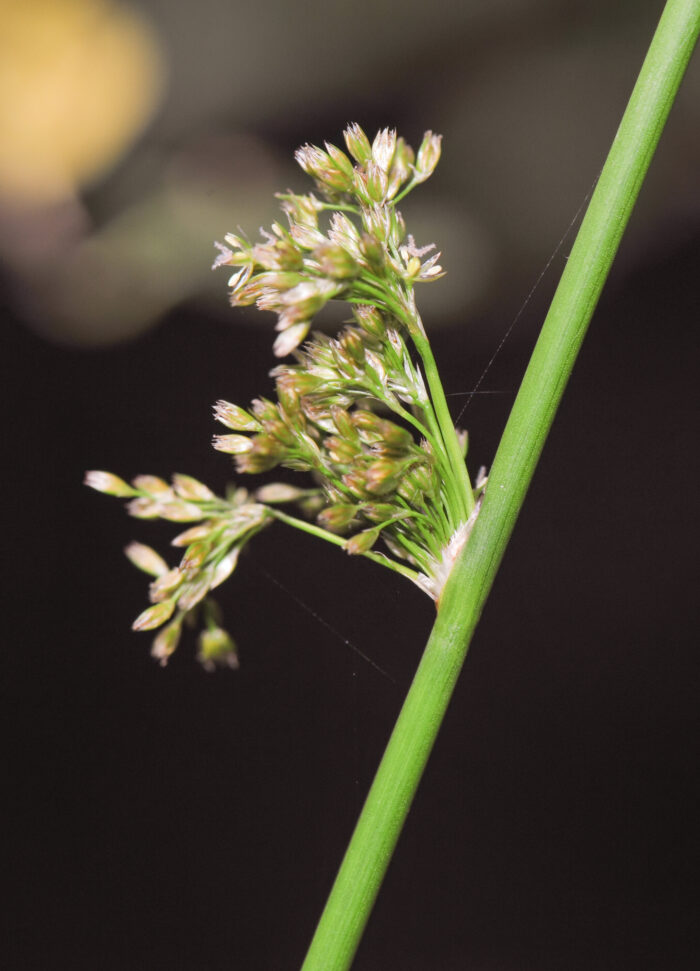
(374, 476)
(398, 479)
(363, 252)
(211, 551)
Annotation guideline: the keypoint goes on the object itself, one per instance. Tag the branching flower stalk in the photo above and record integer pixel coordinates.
(401, 480)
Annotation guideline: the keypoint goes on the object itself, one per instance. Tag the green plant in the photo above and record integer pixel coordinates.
(400, 480)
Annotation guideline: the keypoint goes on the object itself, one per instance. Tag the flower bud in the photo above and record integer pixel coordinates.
(401, 166)
(194, 533)
(340, 450)
(146, 559)
(144, 508)
(362, 542)
(344, 233)
(225, 567)
(357, 143)
(370, 319)
(343, 423)
(279, 492)
(191, 489)
(179, 511)
(318, 164)
(194, 558)
(383, 148)
(290, 339)
(355, 483)
(375, 366)
(428, 156)
(278, 430)
(165, 585)
(340, 160)
(195, 591)
(352, 344)
(108, 483)
(235, 418)
(382, 476)
(216, 648)
(263, 409)
(297, 383)
(288, 398)
(373, 253)
(165, 641)
(377, 182)
(335, 262)
(154, 616)
(232, 444)
(379, 512)
(153, 485)
(336, 518)
(319, 414)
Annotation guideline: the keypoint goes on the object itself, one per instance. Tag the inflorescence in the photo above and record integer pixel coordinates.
(400, 480)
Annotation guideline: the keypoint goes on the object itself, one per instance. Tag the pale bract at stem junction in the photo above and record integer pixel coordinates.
(359, 419)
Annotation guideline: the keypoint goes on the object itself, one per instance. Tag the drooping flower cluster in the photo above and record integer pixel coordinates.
(211, 551)
(398, 481)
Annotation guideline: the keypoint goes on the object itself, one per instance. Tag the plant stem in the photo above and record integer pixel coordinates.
(360, 876)
(314, 530)
(458, 466)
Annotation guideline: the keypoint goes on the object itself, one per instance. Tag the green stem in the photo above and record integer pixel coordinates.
(321, 533)
(447, 429)
(357, 884)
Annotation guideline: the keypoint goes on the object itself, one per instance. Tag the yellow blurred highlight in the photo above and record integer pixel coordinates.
(79, 80)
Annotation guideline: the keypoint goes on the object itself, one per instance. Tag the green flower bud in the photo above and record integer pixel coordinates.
(108, 483)
(357, 143)
(235, 418)
(146, 559)
(194, 558)
(335, 261)
(195, 533)
(382, 476)
(195, 591)
(232, 444)
(154, 616)
(179, 511)
(362, 542)
(377, 182)
(341, 450)
(276, 492)
(165, 585)
(216, 649)
(263, 409)
(383, 148)
(337, 518)
(290, 338)
(191, 489)
(340, 160)
(225, 567)
(166, 641)
(152, 485)
(370, 319)
(343, 423)
(428, 156)
(373, 252)
(379, 512)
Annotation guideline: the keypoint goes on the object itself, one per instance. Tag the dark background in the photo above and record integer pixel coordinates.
(169, 818)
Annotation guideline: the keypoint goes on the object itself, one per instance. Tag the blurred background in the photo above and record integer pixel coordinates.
(176, 819)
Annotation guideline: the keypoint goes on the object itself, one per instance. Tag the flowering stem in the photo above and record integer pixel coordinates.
(362, 871)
